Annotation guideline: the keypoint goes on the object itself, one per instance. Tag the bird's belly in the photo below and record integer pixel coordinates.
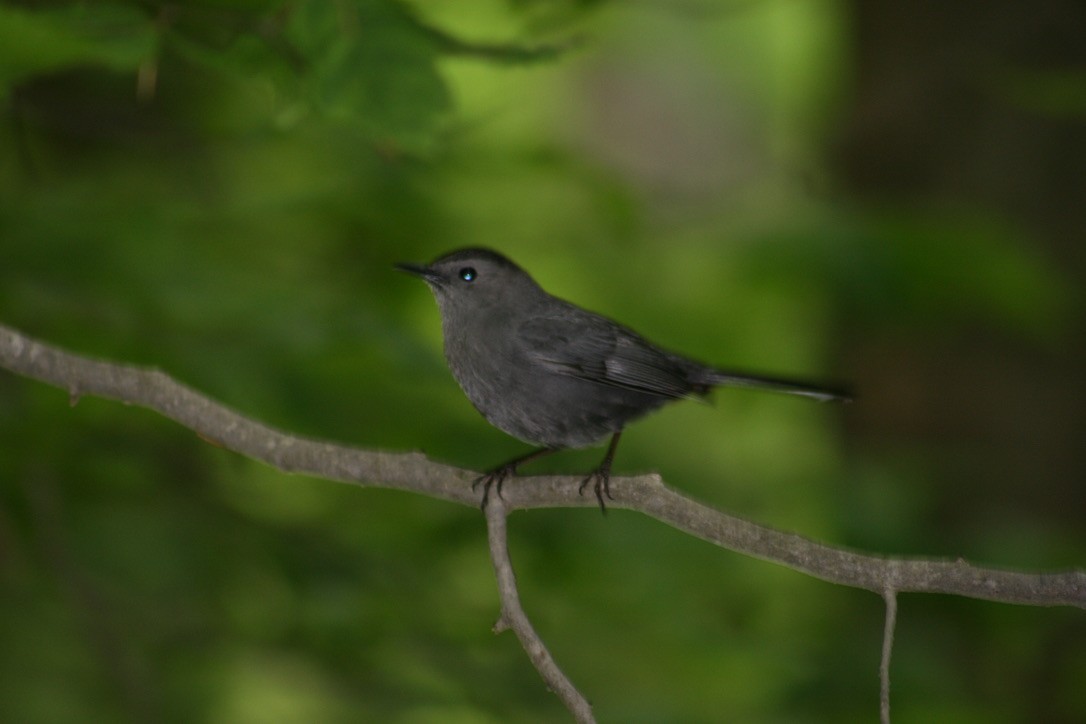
(553, 410)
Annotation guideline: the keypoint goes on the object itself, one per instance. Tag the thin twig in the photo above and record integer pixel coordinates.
(513, 617)
(890, 597)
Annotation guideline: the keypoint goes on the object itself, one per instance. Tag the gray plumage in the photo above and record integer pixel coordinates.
(553, 374)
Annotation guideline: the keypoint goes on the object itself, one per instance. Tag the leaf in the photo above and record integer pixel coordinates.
(372, 65)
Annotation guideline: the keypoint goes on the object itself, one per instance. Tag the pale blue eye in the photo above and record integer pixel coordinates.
(467, 274)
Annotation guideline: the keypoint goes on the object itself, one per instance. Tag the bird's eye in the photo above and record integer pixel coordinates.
(468, 274)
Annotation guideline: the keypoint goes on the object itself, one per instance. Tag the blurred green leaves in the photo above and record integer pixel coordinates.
(369, 64)
(1056, 93)
(115, 36)
(925, 270)
(374, 68)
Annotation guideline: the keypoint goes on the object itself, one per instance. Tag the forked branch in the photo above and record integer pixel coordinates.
(645, 493)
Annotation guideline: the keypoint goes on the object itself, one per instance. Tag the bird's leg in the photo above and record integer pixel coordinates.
(500, 473)
(602, 474)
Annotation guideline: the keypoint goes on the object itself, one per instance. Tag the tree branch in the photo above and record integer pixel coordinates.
(645, 493)
(513, 617)
(414, 472)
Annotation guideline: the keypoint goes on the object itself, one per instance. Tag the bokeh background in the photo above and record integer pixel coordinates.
(892, 194)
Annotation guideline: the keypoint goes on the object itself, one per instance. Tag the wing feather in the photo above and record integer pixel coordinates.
(594, 348)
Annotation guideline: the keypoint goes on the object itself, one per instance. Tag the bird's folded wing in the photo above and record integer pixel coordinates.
(596, 349)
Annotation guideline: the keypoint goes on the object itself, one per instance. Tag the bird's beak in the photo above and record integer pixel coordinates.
(424, 272)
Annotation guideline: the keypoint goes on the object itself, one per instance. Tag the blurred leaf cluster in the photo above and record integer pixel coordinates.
(220, 189)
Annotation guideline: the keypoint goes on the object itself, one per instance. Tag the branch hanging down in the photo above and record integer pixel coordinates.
(513, 617)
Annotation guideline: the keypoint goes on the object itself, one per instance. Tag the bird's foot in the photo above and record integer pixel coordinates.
(601, 486)
(498, 475)
(494, 478)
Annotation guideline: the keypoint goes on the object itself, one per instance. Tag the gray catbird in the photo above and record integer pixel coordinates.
(555, 375)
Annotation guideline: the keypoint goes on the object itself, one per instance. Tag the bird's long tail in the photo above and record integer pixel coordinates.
(822, 393)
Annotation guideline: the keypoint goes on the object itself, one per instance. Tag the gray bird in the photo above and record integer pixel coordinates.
(553, 374)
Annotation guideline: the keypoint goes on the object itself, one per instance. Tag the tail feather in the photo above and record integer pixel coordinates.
(822, 393)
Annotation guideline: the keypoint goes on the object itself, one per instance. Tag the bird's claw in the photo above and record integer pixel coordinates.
(601, 487)
(495, 477)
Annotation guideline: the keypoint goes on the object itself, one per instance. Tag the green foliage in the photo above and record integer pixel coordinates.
(368, 64)
(108, 35)
(378, 73)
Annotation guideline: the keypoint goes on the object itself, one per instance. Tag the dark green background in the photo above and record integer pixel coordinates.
(886, 193)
